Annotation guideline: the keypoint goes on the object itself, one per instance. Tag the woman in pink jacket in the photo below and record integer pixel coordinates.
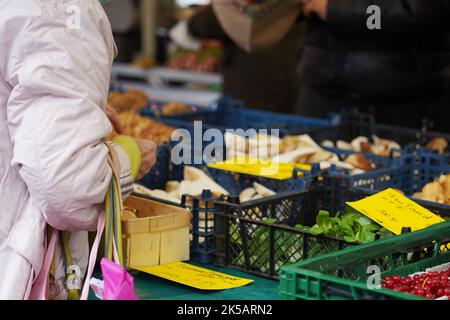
(55, 66)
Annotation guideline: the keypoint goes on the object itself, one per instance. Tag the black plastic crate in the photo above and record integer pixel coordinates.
(246, 242)
(203, 244)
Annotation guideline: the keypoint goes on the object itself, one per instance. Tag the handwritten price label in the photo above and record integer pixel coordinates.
(394, 211)
(195, 277)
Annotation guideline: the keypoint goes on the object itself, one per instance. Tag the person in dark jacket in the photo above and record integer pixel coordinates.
(264, 80)
(400, 72)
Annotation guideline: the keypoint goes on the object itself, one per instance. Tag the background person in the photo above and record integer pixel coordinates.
(264, 79)
(400, 73)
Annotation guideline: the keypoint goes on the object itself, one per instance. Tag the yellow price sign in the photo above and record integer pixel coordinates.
(196, 277)
(260, 167)
(394, 211)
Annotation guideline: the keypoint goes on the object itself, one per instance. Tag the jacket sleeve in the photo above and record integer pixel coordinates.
(205, 25)
(59, 79)
(399, 18)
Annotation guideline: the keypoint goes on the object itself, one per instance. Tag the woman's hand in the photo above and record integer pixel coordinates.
(113, 116)
(318, 7)
(148, 156)
(147, 147)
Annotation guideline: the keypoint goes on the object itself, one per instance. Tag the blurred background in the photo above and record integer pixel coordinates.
(176, 50)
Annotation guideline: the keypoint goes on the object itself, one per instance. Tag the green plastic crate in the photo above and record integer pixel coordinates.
(342, 275)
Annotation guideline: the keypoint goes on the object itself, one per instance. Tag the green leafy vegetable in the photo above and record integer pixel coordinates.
(351, 226)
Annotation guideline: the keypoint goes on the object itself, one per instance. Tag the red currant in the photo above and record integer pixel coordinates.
(430, 296)
(421, 292)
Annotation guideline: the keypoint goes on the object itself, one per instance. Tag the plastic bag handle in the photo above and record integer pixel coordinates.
(93, 256)
(40, 287)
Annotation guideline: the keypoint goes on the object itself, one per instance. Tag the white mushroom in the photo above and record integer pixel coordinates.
(356, 143)
(262, 190)
(295, 156)
(343, 145)
(246, 194)
(328, 144)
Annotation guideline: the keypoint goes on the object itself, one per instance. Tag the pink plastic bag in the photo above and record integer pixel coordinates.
(118, 283)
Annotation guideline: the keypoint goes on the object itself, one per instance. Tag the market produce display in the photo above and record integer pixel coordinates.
(137, 126)
(293, 149)
(430, 284)
(437, 191)
(130, 100)
(205, 60)
(264, 237)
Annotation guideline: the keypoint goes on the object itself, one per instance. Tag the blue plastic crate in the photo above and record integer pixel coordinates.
(231, 114)
(412, 171)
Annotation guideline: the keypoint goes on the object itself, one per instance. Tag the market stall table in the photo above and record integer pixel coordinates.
(149, 287)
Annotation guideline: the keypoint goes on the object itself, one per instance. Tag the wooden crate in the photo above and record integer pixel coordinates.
(159, 235)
